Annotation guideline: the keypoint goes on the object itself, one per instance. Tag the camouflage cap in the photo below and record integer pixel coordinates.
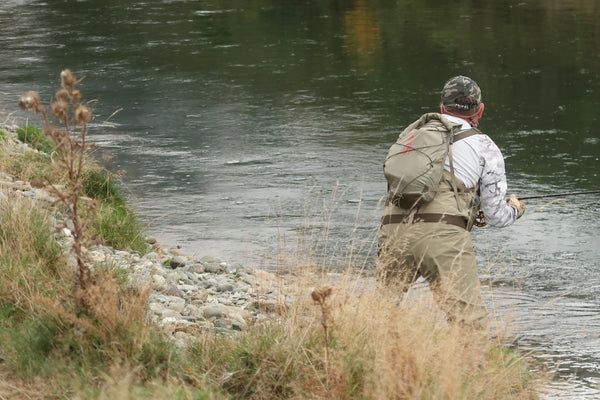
(463, 89)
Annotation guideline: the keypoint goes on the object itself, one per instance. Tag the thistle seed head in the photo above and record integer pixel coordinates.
(67, 78)
(60, 110)
(321, 294)
(75, 96)
(62, 94)
(82, 115)
(30, 101)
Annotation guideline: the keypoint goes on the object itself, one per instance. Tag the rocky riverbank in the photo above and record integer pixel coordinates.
(188, 294)
(191, 294)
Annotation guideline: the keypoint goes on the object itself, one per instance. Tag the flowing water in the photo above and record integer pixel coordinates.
(257, 130)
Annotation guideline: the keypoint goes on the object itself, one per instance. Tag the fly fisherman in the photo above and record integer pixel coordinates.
(431, 238)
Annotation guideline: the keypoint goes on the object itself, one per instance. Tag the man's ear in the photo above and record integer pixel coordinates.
(480, 112)
(442, 109)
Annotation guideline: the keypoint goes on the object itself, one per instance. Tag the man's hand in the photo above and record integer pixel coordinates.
(514, 202)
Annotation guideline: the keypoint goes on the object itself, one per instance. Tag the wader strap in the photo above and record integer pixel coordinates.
(453, 179)
(405, 219)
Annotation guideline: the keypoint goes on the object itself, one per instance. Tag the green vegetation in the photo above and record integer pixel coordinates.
(113, 221)
(36, 139)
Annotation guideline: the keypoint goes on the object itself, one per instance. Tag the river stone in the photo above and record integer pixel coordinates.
(168, 313)
(177, 304)
(158, 298)
(140, 280)
(156, 308)
(168, 321)
(238, 325)
(214, 268)
(177, 262)
(151, 256)
(225, 287)
(187, 288)
(209, 260)
(207, 284)
(197, 268)
(173, 290)
(194, 313)
(221, 323)
(97, 256)
(159, 280)
(212, 312)
(21, 185)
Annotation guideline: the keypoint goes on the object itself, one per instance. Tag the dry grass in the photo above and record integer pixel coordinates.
(30, 258)
(348, 340)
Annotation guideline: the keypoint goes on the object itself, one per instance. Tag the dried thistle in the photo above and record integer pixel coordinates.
(62, 94)
(82, 115)
(75, 96)
(30, 101)
(60, 110)
(67, 79)
(71, 151)
(320, 297)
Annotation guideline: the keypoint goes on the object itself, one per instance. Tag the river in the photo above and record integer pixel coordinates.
(256, 131)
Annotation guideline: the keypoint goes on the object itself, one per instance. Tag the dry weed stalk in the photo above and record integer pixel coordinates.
(71, 149)
(320, 297)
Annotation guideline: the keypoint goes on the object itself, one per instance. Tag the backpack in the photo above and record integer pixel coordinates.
(415, 163)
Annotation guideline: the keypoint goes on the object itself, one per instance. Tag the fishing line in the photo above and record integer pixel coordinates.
(559, 195)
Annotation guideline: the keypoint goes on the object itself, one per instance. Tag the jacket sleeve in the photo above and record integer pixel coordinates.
(493, 187)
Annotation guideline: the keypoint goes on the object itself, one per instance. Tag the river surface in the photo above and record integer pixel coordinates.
(256, 131)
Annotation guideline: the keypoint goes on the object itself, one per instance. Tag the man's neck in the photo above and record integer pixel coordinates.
(466, 124)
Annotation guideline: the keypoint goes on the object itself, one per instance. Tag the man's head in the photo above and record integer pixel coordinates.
(461, 96)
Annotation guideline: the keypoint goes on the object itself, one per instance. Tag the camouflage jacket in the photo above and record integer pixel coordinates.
(478, 159)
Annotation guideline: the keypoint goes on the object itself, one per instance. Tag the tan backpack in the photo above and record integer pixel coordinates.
(415, 163)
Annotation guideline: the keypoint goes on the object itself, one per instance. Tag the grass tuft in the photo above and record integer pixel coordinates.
(113, 221)
(36, 138)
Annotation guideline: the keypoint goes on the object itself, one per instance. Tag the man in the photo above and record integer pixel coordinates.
(433, 240)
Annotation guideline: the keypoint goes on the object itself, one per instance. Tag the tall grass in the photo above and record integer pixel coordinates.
(30, 258)
(341, 342)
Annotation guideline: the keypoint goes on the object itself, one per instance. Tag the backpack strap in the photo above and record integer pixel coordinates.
(465, 134)
(456, 138)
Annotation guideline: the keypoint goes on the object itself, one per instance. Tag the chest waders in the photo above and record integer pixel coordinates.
(432, 240)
